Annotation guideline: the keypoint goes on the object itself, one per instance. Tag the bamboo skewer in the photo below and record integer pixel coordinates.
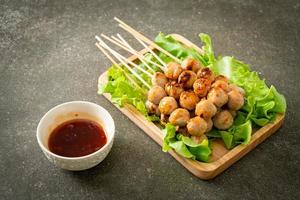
(137, 53)
(131, 70)
(143, 38)
(119, 67)
(103, 44)
(141, 58)
(122, 57)
(133, 51)
(128, 45)
(150, 50)
(122, 40)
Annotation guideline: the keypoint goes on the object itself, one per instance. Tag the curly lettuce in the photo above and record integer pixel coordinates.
(185, 146)
(122, 91)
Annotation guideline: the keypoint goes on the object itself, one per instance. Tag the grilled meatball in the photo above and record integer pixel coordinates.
(235, 100)
(209, 125)
(237, 88)
(206, 73)
(174, 89)
(221, 84)
(173, 70)
(223, 120)
(188, 100)
(155, 94)
(197, 126)
(152, 108)
(179, 117)
(190, 64)
(222, 78)
(167, 105)
(201, 86)
(218, 97)
(206, 109)
(187, 78)
(159, 79)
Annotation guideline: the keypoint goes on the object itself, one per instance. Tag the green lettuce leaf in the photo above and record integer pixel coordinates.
(185, 146)
(123, 91)
(208, 56)
(237, 134)
(177, 49)
(201, 151)
(169, 133)
(182, 149)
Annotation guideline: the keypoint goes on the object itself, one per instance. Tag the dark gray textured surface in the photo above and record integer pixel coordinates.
(48, 57)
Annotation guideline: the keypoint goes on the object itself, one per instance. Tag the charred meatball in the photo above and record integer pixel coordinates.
(174, 89)
(201, 87)
(167, 105)
(235, 100)
(222, 78)
(173, 70)
(179, 117)
(190, 64)
(187, 78)
(237, 88)
(206, 73)
(206, 109)
(156, 93)
(218, 97)
(223, 120)
(159, 79)
(197, 126)
(221, 84)
(188, 100)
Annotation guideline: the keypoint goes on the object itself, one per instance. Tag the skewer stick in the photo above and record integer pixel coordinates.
(118, 40)
(134, 52)
(145, 39)
(123, 46)
(103, 44)
(124, 41)
(130, 47)
(122, 57)
(150, 50)
(119, 67)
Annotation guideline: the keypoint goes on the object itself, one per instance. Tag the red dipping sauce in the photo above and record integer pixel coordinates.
(78, 137)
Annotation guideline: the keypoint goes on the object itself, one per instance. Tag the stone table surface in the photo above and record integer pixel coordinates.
(48, 57)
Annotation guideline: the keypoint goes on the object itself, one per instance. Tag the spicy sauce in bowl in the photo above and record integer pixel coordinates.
(75, 138)
(76, 135)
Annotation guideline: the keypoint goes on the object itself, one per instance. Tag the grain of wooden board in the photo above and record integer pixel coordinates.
(221, 158)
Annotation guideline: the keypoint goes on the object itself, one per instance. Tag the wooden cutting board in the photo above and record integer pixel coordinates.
(221, 158)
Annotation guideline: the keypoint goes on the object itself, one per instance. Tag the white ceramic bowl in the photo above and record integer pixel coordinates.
(75, 110)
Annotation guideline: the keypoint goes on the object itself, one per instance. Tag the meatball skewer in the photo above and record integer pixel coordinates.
(179, 117)
(191, 64)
